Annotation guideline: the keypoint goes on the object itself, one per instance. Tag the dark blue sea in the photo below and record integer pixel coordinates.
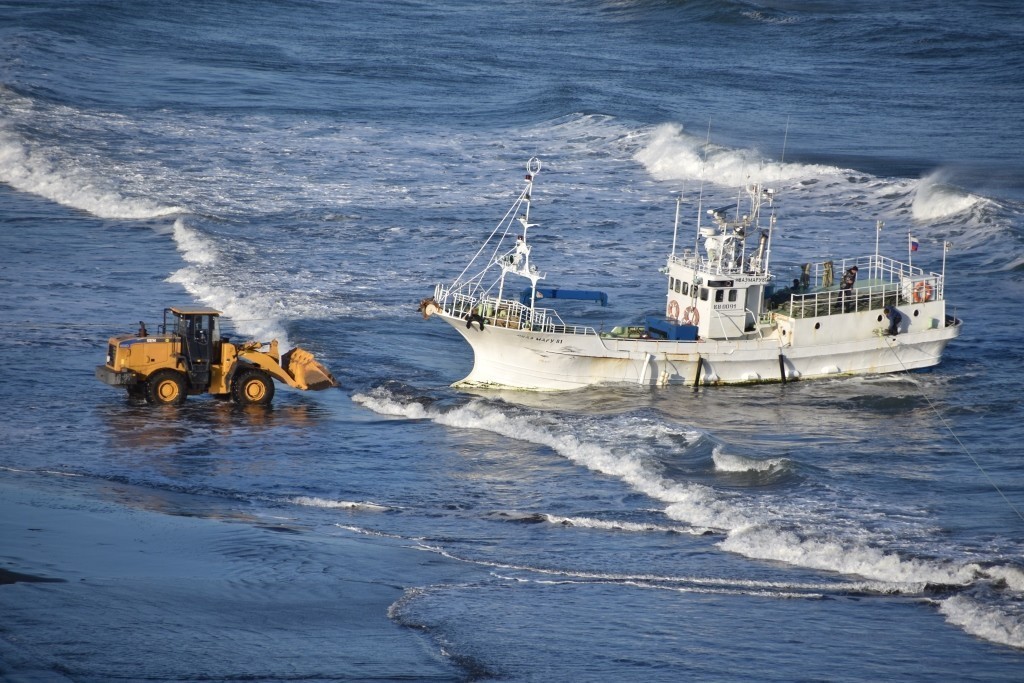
(312, 168)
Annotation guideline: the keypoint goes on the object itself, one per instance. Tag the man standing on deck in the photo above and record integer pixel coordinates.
(846, 287)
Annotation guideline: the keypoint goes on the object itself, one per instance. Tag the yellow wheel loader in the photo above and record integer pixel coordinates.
(188, 355)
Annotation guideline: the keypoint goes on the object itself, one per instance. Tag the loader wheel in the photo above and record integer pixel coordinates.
(166, 387)
(253, 388)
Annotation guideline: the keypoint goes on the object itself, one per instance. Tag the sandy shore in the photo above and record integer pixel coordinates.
(91, 589)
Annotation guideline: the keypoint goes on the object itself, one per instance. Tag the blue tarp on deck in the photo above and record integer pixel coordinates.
(661, 327)
(559, 293)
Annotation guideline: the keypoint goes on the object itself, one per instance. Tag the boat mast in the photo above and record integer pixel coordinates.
(700, 197)
(675, 227)
(518, 260)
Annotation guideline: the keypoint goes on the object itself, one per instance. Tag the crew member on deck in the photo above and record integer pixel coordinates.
(895, 318)
(846, 287)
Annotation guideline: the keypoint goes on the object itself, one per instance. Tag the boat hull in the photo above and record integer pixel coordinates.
(552, 361)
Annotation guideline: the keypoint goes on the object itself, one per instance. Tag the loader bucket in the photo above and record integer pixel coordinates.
(306, 371)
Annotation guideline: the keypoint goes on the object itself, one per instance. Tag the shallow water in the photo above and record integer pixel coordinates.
(312, 170)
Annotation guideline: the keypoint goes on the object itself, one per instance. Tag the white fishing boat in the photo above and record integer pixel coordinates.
(725, 321)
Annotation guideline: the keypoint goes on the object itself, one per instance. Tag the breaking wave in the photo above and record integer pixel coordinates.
(671, 154)
(725, 462)
(934, 199)
(60, 177)
(254, 315)
(801, 533)
(328, 504)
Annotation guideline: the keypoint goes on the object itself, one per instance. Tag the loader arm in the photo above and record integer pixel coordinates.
(298, 368)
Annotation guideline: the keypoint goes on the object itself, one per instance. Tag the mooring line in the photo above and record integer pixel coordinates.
(949, 429)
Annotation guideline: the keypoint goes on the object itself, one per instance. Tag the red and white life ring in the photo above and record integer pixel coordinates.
(673, 309)
(691, 316)
(923, 292)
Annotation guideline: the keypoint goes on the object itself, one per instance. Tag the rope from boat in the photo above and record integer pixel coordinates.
(956, 438)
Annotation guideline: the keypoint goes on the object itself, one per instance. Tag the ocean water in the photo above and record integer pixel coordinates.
(312, 168)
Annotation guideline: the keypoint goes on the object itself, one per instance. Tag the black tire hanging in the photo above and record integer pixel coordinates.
(252, 388)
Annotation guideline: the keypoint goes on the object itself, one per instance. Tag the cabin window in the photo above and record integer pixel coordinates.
(732, 294)
(671, 282)
(703, 293)
(679, 286)
(719, 295)
(686, 288)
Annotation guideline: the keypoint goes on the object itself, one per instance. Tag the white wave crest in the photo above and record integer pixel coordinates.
(934, 199)
(252, 315)
(725, 462)
(614, 525)
(66, 181)
(1012, 576)
(984, 621)
(843, 555)
(756, 529)
(313, 501)
(193, 247)
(671, 154)
(255, 315)
(702, 505)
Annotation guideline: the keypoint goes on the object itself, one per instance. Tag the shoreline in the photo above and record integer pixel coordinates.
(87, 584)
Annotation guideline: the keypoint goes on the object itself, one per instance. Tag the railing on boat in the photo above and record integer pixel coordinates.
(881, 282)
(469, 299)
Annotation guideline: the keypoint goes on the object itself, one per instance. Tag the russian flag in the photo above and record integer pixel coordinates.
(913, 244)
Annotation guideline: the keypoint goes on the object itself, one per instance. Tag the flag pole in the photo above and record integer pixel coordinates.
(878, 233)
(945, 247)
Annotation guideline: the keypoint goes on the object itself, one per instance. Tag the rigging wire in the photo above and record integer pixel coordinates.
(956, 438)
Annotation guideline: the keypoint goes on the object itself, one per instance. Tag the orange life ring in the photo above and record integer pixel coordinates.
(691, 316)
(922, 292)
(673, 309)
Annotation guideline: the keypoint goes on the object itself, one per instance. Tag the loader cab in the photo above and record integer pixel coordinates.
(199, 332)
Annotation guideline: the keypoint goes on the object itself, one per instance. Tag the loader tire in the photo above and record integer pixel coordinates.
(253, 388)
(166, 387)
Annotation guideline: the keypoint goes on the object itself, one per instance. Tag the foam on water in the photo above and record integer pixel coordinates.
(617, 525)
(726, 462)
(994, 624)
(935, 199)
(328, 504)
(54, 175)
(932, 208)
(784, 529)
(252, 315)
(672, 154)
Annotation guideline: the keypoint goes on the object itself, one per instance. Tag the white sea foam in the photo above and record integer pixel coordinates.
(707, 508)
(727, 462)
(616, 525)
(819, 549)
(984, 621)
(779, 531)
(672, 154)
(193, 247)
(51, 174)
(934, 199)
(254, 314)
(326, 503)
